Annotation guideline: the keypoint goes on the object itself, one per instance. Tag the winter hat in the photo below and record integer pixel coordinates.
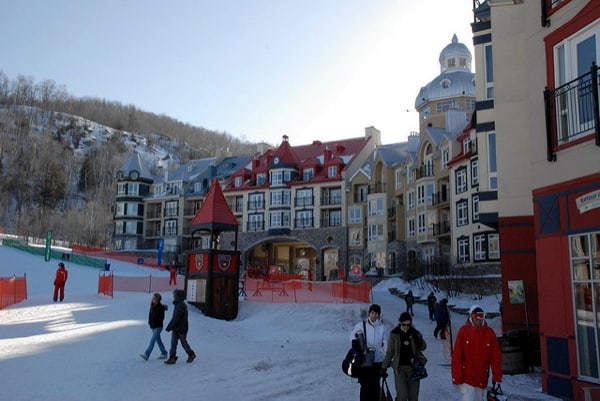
(157, 296)
(375, 308)
(475, 309)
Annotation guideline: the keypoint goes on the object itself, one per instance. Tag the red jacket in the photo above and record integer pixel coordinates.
(476, 349)
(61, 276)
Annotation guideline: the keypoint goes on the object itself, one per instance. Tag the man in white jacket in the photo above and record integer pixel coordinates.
(376, 335)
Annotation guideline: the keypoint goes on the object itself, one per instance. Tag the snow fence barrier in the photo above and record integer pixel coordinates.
(303, 291)
(108, 283)
(12, 290)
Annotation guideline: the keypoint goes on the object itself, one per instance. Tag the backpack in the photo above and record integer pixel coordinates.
(353, 360)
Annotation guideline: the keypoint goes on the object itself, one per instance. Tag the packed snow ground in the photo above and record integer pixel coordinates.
(87, 348)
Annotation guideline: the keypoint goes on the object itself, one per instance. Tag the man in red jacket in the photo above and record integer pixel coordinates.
(59, 282)
(475, 351)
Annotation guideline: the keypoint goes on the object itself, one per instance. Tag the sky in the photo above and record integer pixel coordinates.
(87, 347)
(256, 69)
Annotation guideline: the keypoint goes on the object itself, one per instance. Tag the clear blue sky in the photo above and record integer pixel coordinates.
(257, 69)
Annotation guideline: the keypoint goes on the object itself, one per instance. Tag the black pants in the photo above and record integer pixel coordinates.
(431, 313)
(179, 337)
(440, 328)
(369, 382)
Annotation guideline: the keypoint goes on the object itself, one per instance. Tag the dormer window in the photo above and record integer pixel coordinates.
(445, 83)
(238, 182)
(260, 179)
(467, 145)
(308, 174)
(332, 171)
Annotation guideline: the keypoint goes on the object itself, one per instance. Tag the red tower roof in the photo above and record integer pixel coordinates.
(214, 214)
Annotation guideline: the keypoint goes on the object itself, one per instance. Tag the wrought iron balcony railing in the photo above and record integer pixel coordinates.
(572, 112)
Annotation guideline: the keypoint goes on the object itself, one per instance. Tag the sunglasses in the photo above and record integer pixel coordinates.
(480, 315)
(405, 324)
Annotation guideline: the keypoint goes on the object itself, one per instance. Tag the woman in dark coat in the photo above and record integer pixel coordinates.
(405, 342)
(178, 326)
(156, 316)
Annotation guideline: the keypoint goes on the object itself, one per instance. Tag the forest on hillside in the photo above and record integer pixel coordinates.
(45, 184)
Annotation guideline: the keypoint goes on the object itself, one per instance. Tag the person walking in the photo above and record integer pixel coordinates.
(172, 274)
(178, 326)
(442, 316)
(60, 279)
(410, 301)
(405, 342)
(156, 316)
(372, 334)
(431, 300)
(475, 351)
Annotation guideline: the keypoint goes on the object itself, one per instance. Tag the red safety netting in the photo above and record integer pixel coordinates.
(302, 291)
(12, 290)
(107, 284)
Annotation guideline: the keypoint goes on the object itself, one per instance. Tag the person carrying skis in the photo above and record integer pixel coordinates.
(60, 279)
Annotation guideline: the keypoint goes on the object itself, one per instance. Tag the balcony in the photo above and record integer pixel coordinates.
(255, 226)
(442, 228)
(304, 201)
(303, 223)
(331, 200)
(331, 223)
(440, 198)
(572, 113)
(256, 205)
(424, 171)
(377, 188)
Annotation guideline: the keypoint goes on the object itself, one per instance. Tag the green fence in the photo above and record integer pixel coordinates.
(58, 254)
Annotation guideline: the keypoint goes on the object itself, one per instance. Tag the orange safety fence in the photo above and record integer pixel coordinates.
(302, 291)
(105, 284)
(12, 290)
(109, 283)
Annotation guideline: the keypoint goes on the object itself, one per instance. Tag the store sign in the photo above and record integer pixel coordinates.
(589, 201)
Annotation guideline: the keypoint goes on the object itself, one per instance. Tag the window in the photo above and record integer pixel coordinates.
(494, 246)
(170, 228)
(304, 197)
(411, 227)
(308, 174)
(331, 196)
(489, 72)
(398, 176)
(492, 168)
(429, 192)
(255, 222)
(304, 218)
(261, 179)
(256, 201)
(122, 189)
(375, 232)
(276, 177)
(461, 180)
(410, 205)
(466, 145)
(421, 225)
(585, 275)
(410, 175)
(462, 213)
(354, 215)
(239, 204)
(479, 252)
(355, 237)
(280, 198)
(462, 249)
(573, 59)
(474, 173)
(445, 156)
(279, 219)
(376, 207)
(133, 189)
(420, 194)
(475, 207)
(332, 171)
(171, 208)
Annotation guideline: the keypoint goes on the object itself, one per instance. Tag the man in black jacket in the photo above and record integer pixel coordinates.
(178, 326)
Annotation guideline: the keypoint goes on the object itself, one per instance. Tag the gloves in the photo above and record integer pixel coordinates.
(54, 282)
(64, 282)
(384, 373)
